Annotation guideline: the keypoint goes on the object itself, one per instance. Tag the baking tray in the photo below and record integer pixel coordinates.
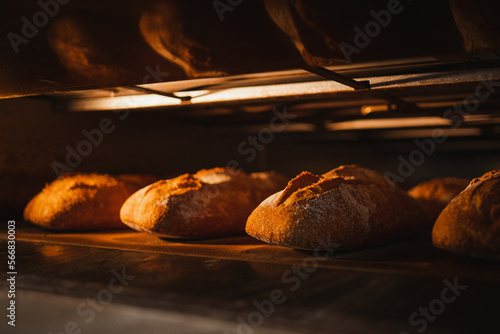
(208, 286)
(415, 256)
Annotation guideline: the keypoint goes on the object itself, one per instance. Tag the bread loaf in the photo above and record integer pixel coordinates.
(434, 195)
(210, 203)
(333, 32)
(470, 224)
(477, 22)
(351, 206)
(96, 48)
(177, 30)
(83, 201)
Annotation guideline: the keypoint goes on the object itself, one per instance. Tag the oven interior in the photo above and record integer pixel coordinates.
(410, 115)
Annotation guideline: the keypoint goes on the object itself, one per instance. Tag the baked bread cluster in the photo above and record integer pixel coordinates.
(350, 206)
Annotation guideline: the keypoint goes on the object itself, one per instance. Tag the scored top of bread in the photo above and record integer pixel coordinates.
(352, 206)
(470, 224)
(84, 201)
(209, 203)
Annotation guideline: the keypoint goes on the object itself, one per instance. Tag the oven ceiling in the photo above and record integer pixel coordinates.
(58, 46)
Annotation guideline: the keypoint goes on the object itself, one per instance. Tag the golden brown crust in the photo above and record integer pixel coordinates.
(210, 203)
(83, 201)
(488, 175)
(351, 206)
(300, 181)
(470, 224)
(434, 195)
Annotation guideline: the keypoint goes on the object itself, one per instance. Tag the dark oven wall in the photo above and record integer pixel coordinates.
(38, 143)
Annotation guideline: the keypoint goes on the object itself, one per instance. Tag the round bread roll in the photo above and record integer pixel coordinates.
(211, 203)
(84, 201)
(470, 224)
(351, 206)
(434, 195)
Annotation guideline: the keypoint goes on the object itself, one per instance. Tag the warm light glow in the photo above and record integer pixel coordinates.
(389, 123)
(123, 102)
(365, 110)
(201, 97)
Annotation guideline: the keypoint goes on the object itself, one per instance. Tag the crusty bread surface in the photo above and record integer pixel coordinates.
(470, 224)
(351, 206)
(210, 203)
(84, 201)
